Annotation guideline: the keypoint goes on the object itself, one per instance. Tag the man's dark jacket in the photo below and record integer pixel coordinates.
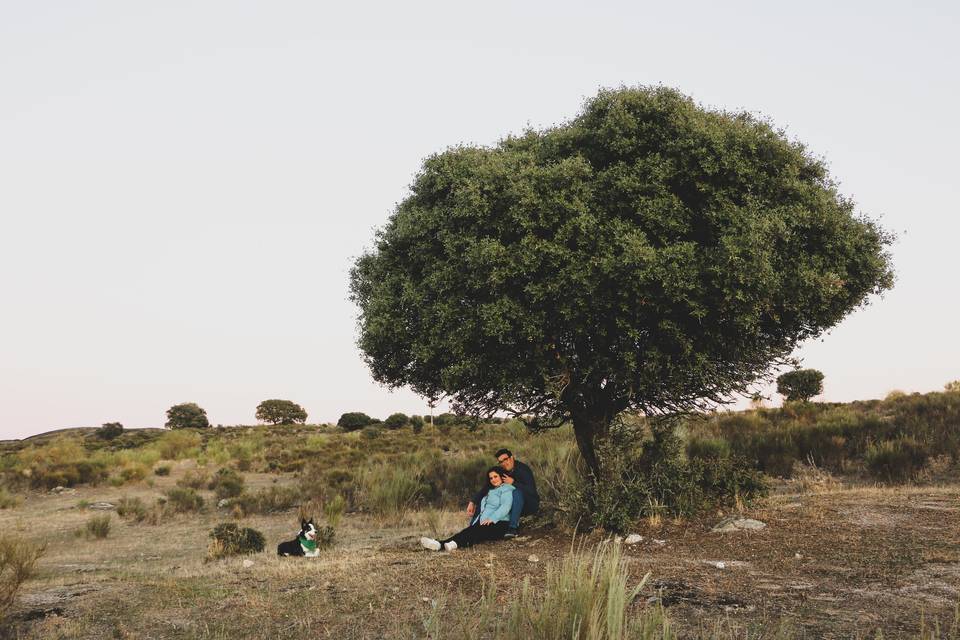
(522, 481)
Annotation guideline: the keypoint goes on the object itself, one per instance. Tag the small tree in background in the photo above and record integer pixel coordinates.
(187, 415)
(396, 420)
(801, 384)
(417, 422)
(354, 420)
(110, 430)
(952, 387)
(281, 412)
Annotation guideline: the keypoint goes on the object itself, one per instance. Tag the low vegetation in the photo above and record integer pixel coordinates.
(18, 561)
(228, 539)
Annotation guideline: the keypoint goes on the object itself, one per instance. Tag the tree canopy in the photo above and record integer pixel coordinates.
(187, 415)
(649, 254)
(281, 412)
(800, 385)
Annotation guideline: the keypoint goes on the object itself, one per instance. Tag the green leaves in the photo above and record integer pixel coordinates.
(649, 254)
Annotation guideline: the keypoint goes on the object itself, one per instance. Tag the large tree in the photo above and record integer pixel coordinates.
(648, 255)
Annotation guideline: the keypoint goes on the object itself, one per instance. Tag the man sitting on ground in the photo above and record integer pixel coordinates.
(526, 502)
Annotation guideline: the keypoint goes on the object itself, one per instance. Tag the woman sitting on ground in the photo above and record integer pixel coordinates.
(490, 521)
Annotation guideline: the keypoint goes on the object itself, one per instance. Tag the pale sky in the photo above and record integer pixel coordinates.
(184, 185)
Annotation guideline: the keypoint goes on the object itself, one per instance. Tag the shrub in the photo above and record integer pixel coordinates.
(227, 483)
(708, 448)
(269, 500)
(177, 444)
(801, 384)
(396, 420)
(62, 462)
(18, 561)
(187, 415)
(162, 470)
(194, 479)
(450, 419)
(109, 431)
(354, 420)
(653, 479)
(952, 387)
(8, 500)
(370, 432)
(227, 539)
(132, 508)
(98, 526)
(132, 471)
(281, 412)
(897, 460)
(183, 500)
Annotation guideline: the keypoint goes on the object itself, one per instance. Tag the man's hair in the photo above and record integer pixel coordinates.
(503, 451)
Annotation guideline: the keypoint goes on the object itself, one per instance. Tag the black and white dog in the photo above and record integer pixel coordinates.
(304, 545)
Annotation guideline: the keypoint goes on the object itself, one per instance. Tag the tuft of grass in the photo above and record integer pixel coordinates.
(162, 470)
(194, 479)
(8, 500)
(227, 483)
(390, 491)
(98, 527)
(333, 510)
(132, 508)
(269, 500)
(18, 561)
(178, 444)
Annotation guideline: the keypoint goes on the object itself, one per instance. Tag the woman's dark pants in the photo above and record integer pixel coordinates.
(479, 533)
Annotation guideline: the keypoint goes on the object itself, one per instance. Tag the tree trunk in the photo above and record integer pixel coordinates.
(589, 430)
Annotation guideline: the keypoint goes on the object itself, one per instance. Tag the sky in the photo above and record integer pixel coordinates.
(185, 185)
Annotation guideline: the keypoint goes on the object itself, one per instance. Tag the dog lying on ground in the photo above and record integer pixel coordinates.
(304, 545)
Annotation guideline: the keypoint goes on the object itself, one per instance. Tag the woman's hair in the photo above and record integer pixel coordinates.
(500, 472)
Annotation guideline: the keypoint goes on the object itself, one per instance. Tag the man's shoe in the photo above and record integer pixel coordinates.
(430, 543)
(511, 533)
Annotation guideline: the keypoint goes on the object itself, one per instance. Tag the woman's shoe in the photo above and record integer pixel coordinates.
(430, 543)
(450, 546)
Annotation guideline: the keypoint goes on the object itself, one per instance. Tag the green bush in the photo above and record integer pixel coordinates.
(177, 444)
(390, 490)
(653, 479)
(354, 420)
(197, 478)
(708, 448)
(227, 483)
(184, 500)
(18, 561)
(333, 510)
(227, 539)
(162, 470)
(98, 526)
(370, 432)
(897, 460)
(109, 431)
(132, 508)
(396, 420)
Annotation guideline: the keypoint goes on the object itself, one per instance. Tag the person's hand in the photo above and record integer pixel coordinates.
(471, 508)
(508, 479)
(486, 522)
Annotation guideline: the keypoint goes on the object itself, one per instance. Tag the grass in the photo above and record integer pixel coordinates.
(98, 527)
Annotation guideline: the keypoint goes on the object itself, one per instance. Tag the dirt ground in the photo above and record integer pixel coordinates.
(836, 564)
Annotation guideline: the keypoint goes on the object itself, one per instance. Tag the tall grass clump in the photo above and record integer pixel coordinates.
(132, 508)
(271, 499)
(8, 500)
(390, 491)
(178, 444)
(333, 510)
(588, 595)
(18, 561)
(227, 483)
(897, 460)
(98, 527)
(63, 462)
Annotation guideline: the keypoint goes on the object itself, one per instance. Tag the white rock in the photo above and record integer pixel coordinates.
(247, 564)
(101, 506)
(425, 599)
(736, 523)
(533, 558)
(633, 538)
(223, 502)
(798, 556)
(660, 542)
